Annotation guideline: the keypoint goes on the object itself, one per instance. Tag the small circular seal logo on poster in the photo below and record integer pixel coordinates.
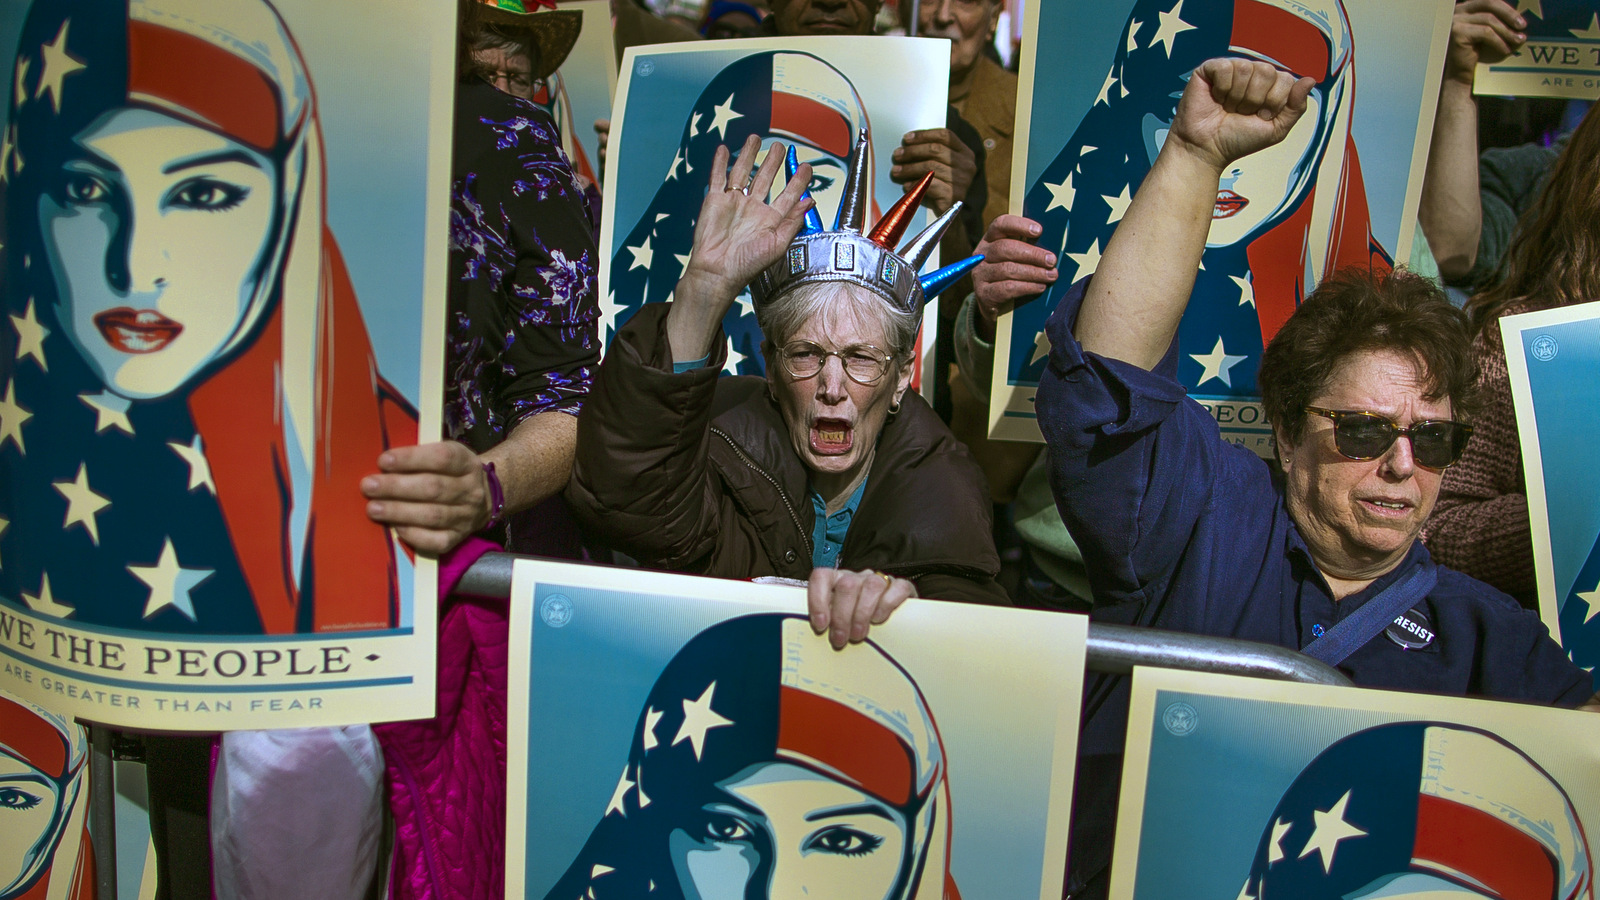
(1544, 348)
(1180, 719)
(556, 610)
(646, 68)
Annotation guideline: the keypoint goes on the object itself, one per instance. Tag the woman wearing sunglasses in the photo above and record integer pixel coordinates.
(1368, 385)
(828, 469)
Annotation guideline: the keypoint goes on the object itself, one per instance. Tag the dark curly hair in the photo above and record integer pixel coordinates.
(1354, 311)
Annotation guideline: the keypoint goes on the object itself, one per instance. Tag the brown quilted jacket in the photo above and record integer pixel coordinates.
(694, 473)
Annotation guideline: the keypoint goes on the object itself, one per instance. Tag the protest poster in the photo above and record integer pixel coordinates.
(1100, 84)
(45, 849)
(1561, 58)
(580, 92)
(1241, 787)
(676, 103)
(1551, 358)
(755, 760)
(224, 248)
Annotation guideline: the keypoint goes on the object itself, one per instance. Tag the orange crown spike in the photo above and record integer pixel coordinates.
(892, 226)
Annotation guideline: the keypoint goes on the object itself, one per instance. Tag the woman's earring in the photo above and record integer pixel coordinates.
(894, 407)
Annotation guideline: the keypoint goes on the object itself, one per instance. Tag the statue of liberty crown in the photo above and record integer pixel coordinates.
(850, 254)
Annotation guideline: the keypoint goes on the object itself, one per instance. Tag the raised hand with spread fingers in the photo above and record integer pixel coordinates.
(738, 234)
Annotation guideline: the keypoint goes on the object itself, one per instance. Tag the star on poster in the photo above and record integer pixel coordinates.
(1099, 88)
(1360, 795)
(1559, 60)
(677, 103)
(222, 308)
(727, 716)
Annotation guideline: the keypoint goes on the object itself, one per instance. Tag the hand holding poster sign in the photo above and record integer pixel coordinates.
(1238, 787)
(1283, 218)
(1551, 358)
(1560, 59)
(753, 756)
(202, 371)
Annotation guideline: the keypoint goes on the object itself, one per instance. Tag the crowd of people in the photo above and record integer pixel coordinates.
(1396, 486)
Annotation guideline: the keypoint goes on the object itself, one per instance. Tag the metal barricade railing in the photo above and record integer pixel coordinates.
(1113, 649)
(1118, 648)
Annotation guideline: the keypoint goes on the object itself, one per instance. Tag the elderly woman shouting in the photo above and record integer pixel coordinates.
(827, 463)
(1366, 386)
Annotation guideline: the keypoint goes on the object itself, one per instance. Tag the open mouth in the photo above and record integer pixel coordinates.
(831, 437)
(137, 330)
(1228, 204)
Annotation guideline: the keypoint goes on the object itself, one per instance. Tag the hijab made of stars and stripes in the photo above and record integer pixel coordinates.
(757, 690)
(797, 98)
(291, 412)
(1246, 289)
(1422, 809)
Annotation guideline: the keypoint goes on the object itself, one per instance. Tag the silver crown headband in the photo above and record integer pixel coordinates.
(868, 260)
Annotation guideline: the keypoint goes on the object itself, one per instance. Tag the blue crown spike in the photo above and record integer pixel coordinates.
(935, 282)
(813, 223)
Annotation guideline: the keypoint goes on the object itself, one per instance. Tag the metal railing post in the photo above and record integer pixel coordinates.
(1113, 649)
(1116, 649)
(103, 811)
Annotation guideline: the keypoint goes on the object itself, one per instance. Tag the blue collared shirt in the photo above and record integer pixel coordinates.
(827, 532)
(1184, 531)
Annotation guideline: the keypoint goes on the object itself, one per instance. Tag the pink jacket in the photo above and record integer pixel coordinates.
(446, 776)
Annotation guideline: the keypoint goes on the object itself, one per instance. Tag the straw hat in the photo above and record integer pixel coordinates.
(553, 31)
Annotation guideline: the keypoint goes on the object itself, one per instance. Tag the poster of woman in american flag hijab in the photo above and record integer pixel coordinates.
(676, 104)
(1258, 790)
(224, 250)
(1342, 190)
(1551, 358)
(686, 738)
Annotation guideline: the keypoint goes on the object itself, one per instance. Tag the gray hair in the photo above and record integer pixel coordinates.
(780, 318)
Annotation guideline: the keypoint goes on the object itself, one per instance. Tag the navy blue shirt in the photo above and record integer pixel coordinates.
(1181, 530)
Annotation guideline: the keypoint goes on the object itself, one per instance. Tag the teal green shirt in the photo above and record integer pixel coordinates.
(827, 534)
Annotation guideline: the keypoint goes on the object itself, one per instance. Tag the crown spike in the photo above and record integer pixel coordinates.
(921, 246)
(791, 165)
(892, 226)
(935, 282)
(853, 208)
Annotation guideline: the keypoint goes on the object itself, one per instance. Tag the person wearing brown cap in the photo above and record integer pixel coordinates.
(515, 45)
